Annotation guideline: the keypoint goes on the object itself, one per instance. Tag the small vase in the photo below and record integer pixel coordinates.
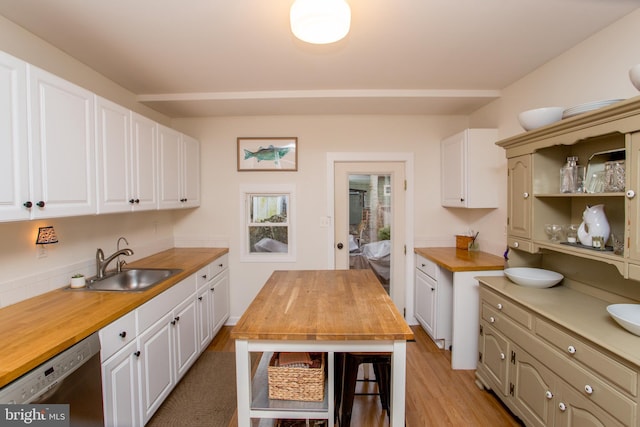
(78, 282)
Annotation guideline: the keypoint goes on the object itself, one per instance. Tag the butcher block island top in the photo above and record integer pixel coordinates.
(34, 330)
(322, 305)
(462, 260)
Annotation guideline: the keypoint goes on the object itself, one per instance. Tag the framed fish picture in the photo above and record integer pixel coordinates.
(268, 154)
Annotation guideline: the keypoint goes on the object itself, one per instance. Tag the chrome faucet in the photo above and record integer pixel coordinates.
(120, 263)
(101, 263)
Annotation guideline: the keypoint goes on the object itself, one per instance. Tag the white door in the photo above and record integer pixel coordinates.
(369, 202)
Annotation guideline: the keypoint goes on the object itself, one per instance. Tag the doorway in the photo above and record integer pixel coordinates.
(369, 227)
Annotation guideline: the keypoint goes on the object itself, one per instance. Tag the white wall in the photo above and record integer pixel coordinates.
(218, 218)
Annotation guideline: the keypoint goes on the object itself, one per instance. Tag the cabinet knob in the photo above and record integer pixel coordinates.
(131, 201)
(123, 334)
(548, 395)
(631, 194)
(516, 244)
(137, 353)
(562, 406)
(27, 204)
(461, 199)
(525, 195)
(220, 265)
(137, 201)
(588, 389)
(199, 298)
(571, 349)
(502, 356)
(204, 276)
(499, 306)
(492, 319)
(40, 204)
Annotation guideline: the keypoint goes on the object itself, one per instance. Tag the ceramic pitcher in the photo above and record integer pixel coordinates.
(594, 224)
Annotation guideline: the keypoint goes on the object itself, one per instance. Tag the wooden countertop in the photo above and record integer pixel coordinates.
(462, 260)
(34, 330)
(322, 305)
(583, 314)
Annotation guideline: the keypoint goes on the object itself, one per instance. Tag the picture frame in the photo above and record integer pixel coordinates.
(268, 154)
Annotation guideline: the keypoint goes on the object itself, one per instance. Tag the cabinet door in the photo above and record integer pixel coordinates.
(120, 388)
(144, 166)
(519, 197)
(14, 154)
(453, 164)
(633, 168)
(114, 157)
(220, 301)
(170, 168)
(204, 308)
(533, 389)
(191, 172)
(185, 336)
(156, 377)
(575, 410)
(425, 302)
(62, 120)
(494, 361)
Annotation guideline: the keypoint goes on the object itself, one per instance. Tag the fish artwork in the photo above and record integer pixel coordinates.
(271, 153)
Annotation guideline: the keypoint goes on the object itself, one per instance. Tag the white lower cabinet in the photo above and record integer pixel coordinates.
(146, 352)
(433, 302)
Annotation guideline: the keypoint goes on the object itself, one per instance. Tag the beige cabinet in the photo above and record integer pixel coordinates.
(471, 169)
(534, 197)
(519, 202)
(547, 375)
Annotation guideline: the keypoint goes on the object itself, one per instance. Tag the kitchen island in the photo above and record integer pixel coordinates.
(329, 311)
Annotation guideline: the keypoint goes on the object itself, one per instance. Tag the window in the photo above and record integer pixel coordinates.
(268, 233)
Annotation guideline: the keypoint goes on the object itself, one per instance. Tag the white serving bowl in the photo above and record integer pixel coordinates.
(634, 75)
(627, 316)
(533, 277)
(533, 119)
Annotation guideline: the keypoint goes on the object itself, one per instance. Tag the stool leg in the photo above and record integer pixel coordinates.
(348, 389)
(337, 383)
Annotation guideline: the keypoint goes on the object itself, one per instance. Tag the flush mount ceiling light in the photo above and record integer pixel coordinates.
(320, 21)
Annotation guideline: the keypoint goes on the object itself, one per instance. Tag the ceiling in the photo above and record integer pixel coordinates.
(189, 58)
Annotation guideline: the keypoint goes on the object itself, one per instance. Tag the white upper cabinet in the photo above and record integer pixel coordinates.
(62, 118)
(14, 153)
(126, 156)
(472, 169)
(179, 169)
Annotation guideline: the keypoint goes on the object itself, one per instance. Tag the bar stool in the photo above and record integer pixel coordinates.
(346, 375)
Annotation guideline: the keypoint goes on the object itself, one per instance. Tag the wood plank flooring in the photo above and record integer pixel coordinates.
(436, 394)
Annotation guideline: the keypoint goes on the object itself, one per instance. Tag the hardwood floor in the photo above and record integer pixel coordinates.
(436, 394)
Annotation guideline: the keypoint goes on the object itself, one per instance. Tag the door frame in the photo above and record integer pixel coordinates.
(380, 157)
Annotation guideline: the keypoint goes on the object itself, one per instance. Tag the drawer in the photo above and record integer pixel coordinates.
(427, 266)
(117, 334)
(208, 272)
(520, 244)
(153, 310)
(503, 324)
(507, 308)
(576, 349)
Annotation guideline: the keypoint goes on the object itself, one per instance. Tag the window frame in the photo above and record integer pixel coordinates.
(248, 190)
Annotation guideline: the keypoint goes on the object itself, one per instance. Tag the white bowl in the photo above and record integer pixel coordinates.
(627, 316)
(533, 277)
(634, 75)
(533, 119)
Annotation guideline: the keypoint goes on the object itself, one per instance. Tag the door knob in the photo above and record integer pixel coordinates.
(340, 245)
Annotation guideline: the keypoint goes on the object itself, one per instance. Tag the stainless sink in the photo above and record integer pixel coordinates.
(131, 280)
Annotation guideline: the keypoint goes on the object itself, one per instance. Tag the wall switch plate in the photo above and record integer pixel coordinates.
(325, 221)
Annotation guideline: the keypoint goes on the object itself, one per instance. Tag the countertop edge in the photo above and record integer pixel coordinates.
(459, 260)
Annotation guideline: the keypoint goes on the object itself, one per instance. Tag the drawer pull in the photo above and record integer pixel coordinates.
(571, 349)
(204, 276)
(588, 389)
(220, 265)
(516, 244)
(123, 334)
(548, 395)
(499, 306)
(562, 406)
(492, 319)
(137, 354)
(502, 356)
(525, 195)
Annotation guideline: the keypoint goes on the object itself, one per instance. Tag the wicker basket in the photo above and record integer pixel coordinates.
(287, 383)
